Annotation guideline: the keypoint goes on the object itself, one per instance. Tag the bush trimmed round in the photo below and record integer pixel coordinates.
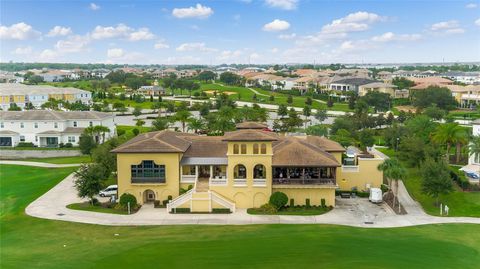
(126, 198)
(278, 199)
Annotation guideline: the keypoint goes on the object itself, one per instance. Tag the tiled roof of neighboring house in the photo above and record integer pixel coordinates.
(250, 135)
(28, 115)
(379, 85)
(354, 81)
(251, 125)
(304, 72)
(161, 141)
(325, 143)
(293, 151)
(206, 146)
(436, 80)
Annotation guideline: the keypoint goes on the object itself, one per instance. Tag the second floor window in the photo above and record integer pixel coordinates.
(74, 124)
(235, 149)
(2, 125)
(21, 125)
(35, 124)
(90, 123)
(148, 172)
(243, 149)
(55, 125)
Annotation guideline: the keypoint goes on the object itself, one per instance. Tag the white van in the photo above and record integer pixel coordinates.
(109, 191)
(375, 195)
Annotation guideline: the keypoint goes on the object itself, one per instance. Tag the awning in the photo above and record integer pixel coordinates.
(471, 168)
(203, 161)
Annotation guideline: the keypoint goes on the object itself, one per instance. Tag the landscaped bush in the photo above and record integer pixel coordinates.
(128, 198)
(363, 194)
(221, 211)
(278, 199)
(292, 202)
(135, 131)
(157, 204)
(384, 188)
(164, 202)
(120, 132)
(322, 202)
(180, 210)
(307, 202)
(68, 145)
(25, 145)
(264, 209)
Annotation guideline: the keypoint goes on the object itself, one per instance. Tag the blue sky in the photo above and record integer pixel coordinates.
(240, 31)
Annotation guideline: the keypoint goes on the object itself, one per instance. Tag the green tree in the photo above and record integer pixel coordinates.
(183, 116)
(366, 138)
(379, 100)
(89, 180)
(434, 112)
(282, 110)
(196, 125)
(474, 148)
(436, 179)
(321, 115)
(86, 143)
(441, 97)
(308, 101)
(230, 78)
(403, 83)
(35, 79)
(449, 134)
(289, 99)
(139, 123)
(207, 76)
(160, 124)
(14, 107)
(137, 111)
(307, 112)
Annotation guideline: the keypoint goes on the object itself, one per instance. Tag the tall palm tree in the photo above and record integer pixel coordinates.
(183, 116)
(393, 170)
(449, 134)
(196, 125)
(474, 147)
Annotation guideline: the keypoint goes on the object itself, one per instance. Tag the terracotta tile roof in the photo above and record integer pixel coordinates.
(324, 143)
(161, 141)
(293, 151)
(432, 80)
(251, 125)
(250, 135)
(206, 146)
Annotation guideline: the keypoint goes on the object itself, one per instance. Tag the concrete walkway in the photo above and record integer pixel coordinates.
(39, 164)
(356, 212)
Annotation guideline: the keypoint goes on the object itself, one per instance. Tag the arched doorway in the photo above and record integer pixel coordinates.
(148, 196)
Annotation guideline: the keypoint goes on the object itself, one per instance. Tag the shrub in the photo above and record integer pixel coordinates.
(68, 145)
(61, 145)
(128, 198)
(120, 132)
(363, 194)
(25, 144)
(221, 210)
(307, 202)
(292, 202)
(278, 199)
(156, 203)
(384, 188)
(169, 198)
(267, 209)
(95, 202)
(181, 210)
(135, 131)
(164, 202)
(322, 202)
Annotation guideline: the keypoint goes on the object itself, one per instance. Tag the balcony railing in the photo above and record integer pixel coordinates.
(259, 182)
(303, 181)
(240, 182)
(218, 180)
(188, 179)
(154, 180)
(350, 168)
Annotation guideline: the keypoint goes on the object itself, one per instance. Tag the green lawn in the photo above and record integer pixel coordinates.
(28, 242)
(89, 207)
(61, 160)
(461, 204)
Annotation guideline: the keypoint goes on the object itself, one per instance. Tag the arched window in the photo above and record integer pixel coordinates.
(243, 149)
(255, 149)
(240, 172)
(259, 172)
(263, 148)
(235, 149)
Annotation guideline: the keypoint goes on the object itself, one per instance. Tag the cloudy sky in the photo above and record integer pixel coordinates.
(240, 31)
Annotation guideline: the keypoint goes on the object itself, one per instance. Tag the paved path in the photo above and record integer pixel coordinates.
(351, 212)
(40, 164)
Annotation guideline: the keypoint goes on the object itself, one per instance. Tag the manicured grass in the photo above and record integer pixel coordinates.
(461, 204)
(28, 242)
(61, 160)
(293, 211)
(96, 208)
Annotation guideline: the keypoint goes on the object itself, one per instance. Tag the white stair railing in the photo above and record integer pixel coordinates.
(180, 200)
(222, 201)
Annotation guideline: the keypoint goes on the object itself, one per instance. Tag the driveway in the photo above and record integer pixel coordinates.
(357, 212)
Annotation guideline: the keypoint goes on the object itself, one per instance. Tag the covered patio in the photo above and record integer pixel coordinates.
(284, 175)
(213, 170)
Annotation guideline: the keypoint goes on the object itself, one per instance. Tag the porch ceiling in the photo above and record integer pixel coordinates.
(203, 161)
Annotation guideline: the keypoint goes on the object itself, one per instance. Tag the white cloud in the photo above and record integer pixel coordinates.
(477, 22)
(160, 44)
(196, 46)
(198, 11)
(18, 31)
(228, 55)
(59, 31)
(447, 27)
(94, 6)
(351, 46)
(471, 5)
(276, 25)
(282, 4)
(72, 44)
(254, 57)
(48, 55)
(22, 50)
(115, 53)
(353, 22)
(274, 50)
(287, 36)
(122, 31)
(389, 36)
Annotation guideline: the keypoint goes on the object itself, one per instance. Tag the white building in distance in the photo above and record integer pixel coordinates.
(46, 128)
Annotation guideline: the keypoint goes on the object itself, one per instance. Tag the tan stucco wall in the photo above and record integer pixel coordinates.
(162, 191)
(314, 194)
(367, 174)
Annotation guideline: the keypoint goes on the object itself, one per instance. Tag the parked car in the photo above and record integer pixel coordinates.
(375, 195)
(109, 191)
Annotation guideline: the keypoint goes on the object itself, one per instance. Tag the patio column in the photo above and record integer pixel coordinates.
(196, 172)
(303, 175)
(211, 171)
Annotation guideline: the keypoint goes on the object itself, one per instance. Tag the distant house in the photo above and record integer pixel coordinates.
(354, 72)
(385, 76)
(152, 90)
(46, 128)
(464, 77)
(377, 87)
(349, 84)
(472, 169)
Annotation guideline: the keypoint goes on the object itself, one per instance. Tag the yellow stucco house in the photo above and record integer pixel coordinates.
(240, 169)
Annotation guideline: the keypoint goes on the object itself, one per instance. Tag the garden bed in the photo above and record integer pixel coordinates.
(101, 208)
(295, 210)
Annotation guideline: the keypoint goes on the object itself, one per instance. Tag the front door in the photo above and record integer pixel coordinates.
(52, 142)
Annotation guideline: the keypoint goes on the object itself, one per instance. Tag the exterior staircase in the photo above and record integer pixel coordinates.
(200, 199)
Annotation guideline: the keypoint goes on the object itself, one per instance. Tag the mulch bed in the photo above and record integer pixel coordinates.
(388, 198)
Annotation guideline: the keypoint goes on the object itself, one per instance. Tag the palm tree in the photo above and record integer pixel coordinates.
(450, 134)
(474, 147)
(183, 116)
(196, 124)
(96, 131)
(393, 171)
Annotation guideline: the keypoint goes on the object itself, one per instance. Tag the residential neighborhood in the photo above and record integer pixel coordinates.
(240, 134)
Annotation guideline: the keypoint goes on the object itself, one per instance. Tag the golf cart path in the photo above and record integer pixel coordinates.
(350, 212)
